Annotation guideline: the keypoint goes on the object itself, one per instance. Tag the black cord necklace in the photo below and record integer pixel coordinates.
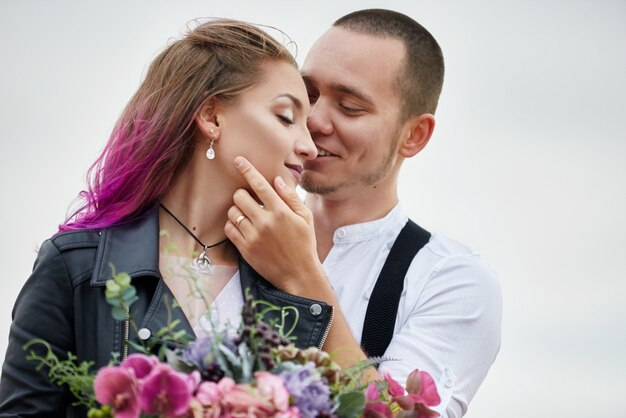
(202, 263)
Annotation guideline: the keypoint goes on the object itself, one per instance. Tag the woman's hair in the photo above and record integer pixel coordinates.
(153, 140)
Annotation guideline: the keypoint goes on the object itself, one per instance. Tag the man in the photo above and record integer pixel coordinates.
(374, 79)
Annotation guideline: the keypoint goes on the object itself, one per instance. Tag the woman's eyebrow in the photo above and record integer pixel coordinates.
(293, 98)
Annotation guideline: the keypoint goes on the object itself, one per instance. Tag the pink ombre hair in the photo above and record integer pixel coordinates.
(154, 138)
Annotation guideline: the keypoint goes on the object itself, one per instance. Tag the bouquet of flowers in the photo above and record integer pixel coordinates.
(251, 373)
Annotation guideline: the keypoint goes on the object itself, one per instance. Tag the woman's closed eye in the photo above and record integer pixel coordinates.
(286, 118)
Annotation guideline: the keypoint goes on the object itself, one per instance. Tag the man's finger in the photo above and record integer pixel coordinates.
(257, 182)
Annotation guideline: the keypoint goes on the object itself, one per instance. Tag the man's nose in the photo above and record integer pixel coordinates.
(319, 120)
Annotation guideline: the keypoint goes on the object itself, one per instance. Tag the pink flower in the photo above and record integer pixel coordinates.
(292, 412)
(422, 384)
(141, 364)
(225, 384)
(245, 401)
(423, 392)
(269, 398)
(374, 407)
(193, 381)
(208, 396)
(196, 410)
(118, 388)
(396, 391)
(208, 393)
(272, 388)
(371, 393)
(165, 392)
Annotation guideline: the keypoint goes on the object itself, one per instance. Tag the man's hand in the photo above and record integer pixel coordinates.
(274, 234)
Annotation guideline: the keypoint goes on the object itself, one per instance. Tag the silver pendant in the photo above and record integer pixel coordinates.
(202, 264)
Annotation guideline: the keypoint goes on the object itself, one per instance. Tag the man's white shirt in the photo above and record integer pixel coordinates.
(450, 310)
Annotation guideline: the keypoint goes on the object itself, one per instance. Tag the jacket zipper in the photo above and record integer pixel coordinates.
(330, 324)
(126, 334)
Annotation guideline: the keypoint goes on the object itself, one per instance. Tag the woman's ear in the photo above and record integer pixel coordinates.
(206, 120)
(418, 131)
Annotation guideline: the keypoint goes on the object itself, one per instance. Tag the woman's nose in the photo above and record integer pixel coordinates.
(305, 148)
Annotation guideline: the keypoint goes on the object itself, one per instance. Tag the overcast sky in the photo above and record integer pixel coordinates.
(527, 164)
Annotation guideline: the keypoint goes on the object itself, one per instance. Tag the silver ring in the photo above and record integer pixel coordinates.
(239, 219)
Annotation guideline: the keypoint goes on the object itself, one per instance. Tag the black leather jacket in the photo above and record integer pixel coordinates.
(63, 303)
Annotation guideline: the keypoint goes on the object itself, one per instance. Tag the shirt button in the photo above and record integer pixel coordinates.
(449, 383)
(144, 334)
(341, 233)
(315, 309)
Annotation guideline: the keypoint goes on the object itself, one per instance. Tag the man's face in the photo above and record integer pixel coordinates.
(355, 110)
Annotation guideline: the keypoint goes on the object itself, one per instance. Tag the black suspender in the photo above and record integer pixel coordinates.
(382, 309)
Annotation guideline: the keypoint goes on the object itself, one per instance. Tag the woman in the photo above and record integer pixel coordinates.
(225, 90)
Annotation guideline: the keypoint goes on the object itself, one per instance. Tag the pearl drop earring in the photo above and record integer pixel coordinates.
(210, 153)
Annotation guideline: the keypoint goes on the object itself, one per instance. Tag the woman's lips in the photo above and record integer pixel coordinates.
(296, 170)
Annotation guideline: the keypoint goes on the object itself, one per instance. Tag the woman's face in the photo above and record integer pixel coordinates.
(267, 125)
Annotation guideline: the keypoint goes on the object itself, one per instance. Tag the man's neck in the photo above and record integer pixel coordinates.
(347, 208)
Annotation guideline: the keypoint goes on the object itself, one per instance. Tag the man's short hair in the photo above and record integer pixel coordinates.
(419, 83)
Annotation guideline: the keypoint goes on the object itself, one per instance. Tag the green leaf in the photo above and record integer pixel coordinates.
(231, 361)
(162, 332)
(350, 405)
(114, 301)
(138, 347)
(113, 298)
(247, 363)
(78, 377)
(179, 335)
(223, 363)
(118, 313)
(112, 286)
(130, 301)
(123, 280)
(129, 292)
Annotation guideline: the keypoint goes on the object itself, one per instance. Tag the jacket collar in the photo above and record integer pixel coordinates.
(132, 248)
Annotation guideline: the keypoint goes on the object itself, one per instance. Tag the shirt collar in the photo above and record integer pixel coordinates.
(396, 218)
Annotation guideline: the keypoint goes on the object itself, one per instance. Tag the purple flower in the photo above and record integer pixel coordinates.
(200, 353)
(165, 392)
(310, 391)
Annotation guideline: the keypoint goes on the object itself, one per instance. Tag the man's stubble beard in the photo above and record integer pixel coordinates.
(367, 179)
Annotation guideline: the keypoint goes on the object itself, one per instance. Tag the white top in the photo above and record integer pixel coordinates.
(211, 302)
(225, 311)
(450, 311)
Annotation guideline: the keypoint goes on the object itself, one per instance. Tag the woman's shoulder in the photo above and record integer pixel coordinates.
(69, 253)
(75, 239)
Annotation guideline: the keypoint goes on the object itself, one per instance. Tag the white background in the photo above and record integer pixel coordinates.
(527, 164)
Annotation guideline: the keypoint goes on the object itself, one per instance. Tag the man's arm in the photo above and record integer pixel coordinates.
(452, 330)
